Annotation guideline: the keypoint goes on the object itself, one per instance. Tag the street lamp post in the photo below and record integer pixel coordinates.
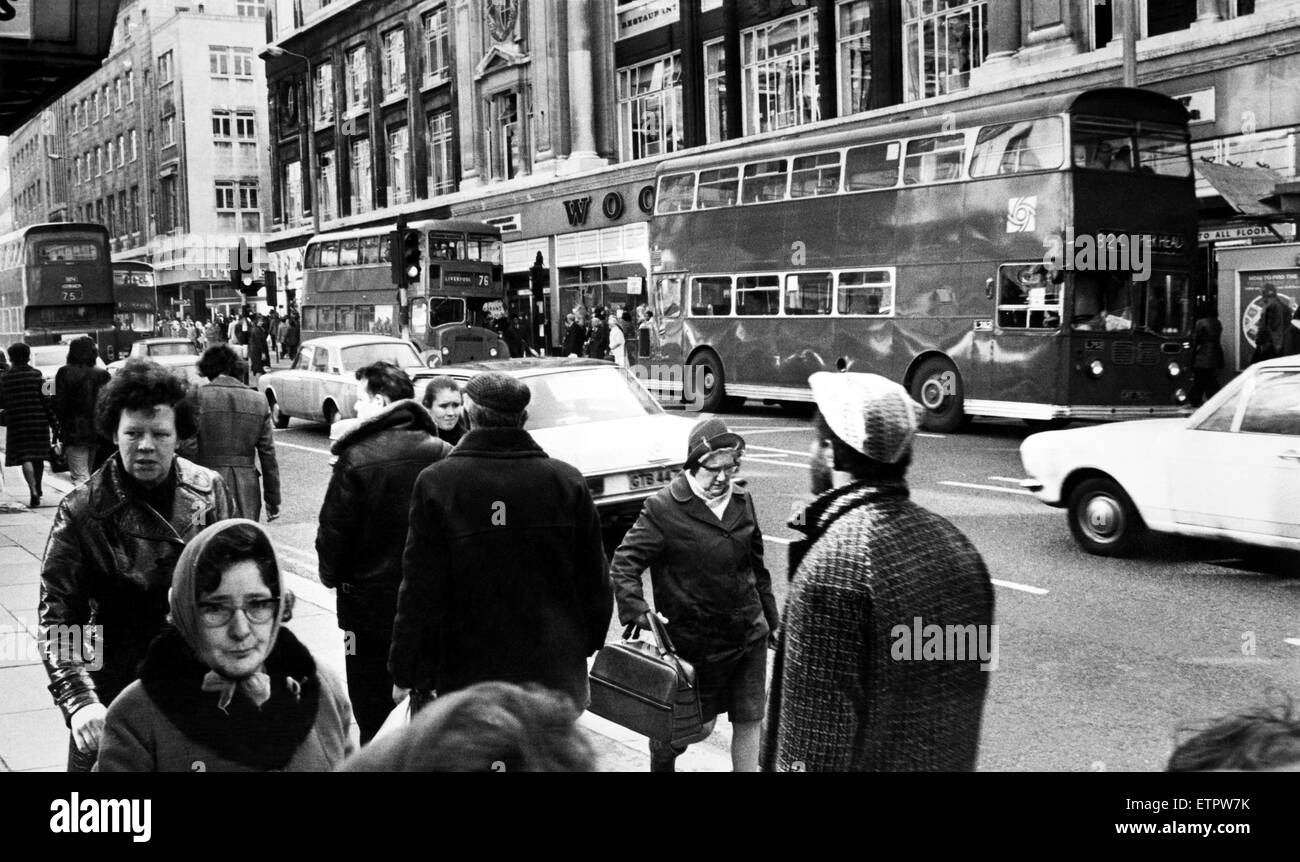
(276, 51)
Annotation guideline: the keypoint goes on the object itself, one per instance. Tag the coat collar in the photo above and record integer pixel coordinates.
(681, 492)
(405, 414)
(227, 380)
(190, 507)
(498, 443)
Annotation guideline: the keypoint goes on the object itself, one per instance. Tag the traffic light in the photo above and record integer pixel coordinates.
(404, 253)
(268, 277)
(241, 280)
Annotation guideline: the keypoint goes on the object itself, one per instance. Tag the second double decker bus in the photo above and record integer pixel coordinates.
(56, 282)
(135, 305)
(1029, 261)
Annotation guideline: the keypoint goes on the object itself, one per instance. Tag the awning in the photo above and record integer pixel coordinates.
(1250, 191)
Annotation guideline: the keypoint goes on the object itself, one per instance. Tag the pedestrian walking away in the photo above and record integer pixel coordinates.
(873, 572)
(1270, 333)
(115, 541)
(76, 385)
(234, 436)
(504, 575)
(225, 688)
(1207, 355)
(28, 419)
(700, 539)
(363, 525)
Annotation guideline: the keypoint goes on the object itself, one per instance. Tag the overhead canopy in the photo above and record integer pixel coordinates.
(46, 47)
(1250, 191)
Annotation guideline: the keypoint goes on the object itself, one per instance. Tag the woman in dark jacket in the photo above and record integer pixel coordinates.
(27, 419)
(76, 385)
(700, 539)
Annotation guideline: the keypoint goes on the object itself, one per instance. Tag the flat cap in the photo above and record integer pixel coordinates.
(499, 392)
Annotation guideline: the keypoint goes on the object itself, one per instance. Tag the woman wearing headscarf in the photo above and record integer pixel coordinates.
(27, 419)
(76, 385)
(699, 537)
(226, 688)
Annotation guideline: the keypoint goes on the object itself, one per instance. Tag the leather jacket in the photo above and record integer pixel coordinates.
(108, 563)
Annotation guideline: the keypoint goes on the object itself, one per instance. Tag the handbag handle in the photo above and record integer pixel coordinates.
(657, 630)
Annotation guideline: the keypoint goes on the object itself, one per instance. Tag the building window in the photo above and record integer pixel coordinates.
(503, 143)
(241, 61)
(76, 114)
(780, 74)
(399, 165)
(121, 150)
(107, 103)
(225, 196)
(246, 126)
(108, 162)
(99, 161)
(251, 8)
(164, 68)
(715, 92)
(219, 61)
(288, 106)
(650, 108)
(941, 46)
(392, 70)
(168, 216)
(221, 126)
(327, 184)
(130, 87)
(135, 151)
(135, 209)
(237, 206)
(76, 167)
(441, 179)
(854, 50)
(94, 107)
(117, 92)
(357, 80)
(291, 193)
(436, 47)
(359, 176)
(169, 130)
(323, 92)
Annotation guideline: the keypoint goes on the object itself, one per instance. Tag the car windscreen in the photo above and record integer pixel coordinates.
(360, 355)
(53, 355)
(586, 395)
(175, 348)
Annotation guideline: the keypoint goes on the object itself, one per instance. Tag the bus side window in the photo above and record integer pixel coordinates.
(808, 293)
(329, 254)
(758, 295)
(370, 249)
(711, 295)
(348, 252)
(934, 159)
(874, 166)
(718, 188)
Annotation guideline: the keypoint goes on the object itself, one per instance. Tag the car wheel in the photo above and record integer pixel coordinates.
(279, 418)
(937, 387)
(1103, 519)
(331, 413)
(711, 388)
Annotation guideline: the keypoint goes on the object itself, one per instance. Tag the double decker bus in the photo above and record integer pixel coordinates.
(348, 287)
(1029, 261)
(135, 304)
(56, 282)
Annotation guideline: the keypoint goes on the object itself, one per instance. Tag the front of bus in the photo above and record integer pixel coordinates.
(69, 283)
(1127, 260)
(452, 316)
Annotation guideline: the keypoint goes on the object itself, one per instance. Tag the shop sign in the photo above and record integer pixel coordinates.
(16, 19)
(1245, 231)
(642, 16)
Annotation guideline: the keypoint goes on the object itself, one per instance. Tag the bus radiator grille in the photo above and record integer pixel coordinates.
(1121, 353)
(1148, 353)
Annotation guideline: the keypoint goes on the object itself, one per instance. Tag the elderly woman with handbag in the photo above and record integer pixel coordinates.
(226, 688)
(699, 537)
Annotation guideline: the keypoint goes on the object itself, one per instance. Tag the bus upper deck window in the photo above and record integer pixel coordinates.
(1010, 148)
(676, 193)
(370, 249)
(348, 252)
(718, 188)
(1164, 154)
(313, 257)
(874, 166)
(811, 176)
(329, 254)
(444, 246)
(935, 159)
(764, 181)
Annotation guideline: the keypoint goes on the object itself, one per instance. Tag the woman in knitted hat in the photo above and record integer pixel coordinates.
(699, 537)
(226, 688)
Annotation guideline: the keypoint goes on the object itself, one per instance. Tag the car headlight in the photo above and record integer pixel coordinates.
(1175, 369)
(1180, 395)
(1096, 368)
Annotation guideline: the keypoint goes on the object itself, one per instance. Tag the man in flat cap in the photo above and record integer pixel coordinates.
(504, 575)
(862, 682)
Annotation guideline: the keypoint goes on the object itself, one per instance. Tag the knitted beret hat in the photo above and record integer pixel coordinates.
(868, 412)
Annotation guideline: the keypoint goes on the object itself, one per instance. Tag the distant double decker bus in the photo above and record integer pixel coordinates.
(135, 304)
(1029, 261)
(56, 282)
(347, 286)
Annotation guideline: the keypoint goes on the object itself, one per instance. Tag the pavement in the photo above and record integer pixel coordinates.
(33, 737)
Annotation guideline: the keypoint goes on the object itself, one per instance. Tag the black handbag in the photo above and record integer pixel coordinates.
(646, 687)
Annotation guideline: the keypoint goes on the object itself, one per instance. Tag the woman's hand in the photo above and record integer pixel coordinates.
(644, 621)
(400, 694)
(88, 726)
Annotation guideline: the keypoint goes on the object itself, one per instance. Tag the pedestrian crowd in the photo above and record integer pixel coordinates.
(462, 653)
(255, 337)
(611, 334)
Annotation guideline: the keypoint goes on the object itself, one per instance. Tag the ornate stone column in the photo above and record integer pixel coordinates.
(581, 100)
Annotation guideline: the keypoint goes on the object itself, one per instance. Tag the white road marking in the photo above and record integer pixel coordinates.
(1004, 479)
(1024, 588)
(778, 540)
(791, 452)
(753, 460)
(1292, 641)
(932, 436)
(989, 488)
(743, 430)
(303, 448)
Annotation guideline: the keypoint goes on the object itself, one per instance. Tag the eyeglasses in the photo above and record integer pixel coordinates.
(730, 468)
(214, 614)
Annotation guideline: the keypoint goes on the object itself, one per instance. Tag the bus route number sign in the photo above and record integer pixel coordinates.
(72, 292)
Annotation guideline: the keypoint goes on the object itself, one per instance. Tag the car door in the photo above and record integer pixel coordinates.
(1238, 471)
(316, 382)
(291, 385)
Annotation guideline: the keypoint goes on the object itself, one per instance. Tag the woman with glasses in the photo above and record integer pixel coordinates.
(699, 537)
(226, 688)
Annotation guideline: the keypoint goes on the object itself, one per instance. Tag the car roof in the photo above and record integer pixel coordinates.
(1279, 362)
(172, 339)
(350, 339)
(525, 366)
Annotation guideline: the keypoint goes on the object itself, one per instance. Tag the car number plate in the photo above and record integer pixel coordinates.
(649, 478)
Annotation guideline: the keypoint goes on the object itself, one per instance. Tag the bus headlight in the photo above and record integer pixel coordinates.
(1180, 395)
(492, 351)
(1175, 369)
(446, 351)
(1096, 368)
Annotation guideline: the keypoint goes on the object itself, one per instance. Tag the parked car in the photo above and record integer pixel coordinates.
(180, 355)
(321, 385)
(602, 420)
(49, 358)
(1230, 471)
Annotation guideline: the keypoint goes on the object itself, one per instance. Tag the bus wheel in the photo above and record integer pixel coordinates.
(279, 418)
(706, 372)
(1103, 519)
(937, 386)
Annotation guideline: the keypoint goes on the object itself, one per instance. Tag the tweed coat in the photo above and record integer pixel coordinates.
(235, 434)
(27, 415)
(843, 698)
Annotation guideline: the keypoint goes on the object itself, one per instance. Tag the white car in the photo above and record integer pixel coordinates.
(179, 355)
(49, 358)
(1230, 471)
(321, 385)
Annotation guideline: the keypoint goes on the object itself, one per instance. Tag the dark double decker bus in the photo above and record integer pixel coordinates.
(348, 287)
(135, 304)
(1029, 261)
(56, 282)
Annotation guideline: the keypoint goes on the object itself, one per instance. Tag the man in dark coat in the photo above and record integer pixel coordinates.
(1270, 334)
(27, 418)
(363, 525)
(853, 690)
(1207, 355)
(597, 345)
(76, 385)
(257, 352)
(504, 575)
(234, 435)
